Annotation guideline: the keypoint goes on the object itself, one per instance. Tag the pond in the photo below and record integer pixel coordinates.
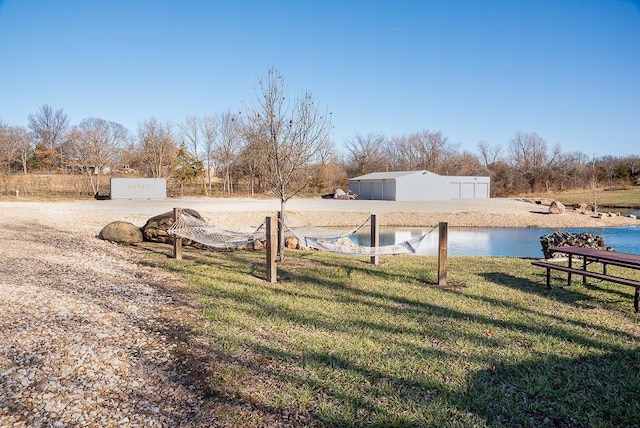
(497, 241)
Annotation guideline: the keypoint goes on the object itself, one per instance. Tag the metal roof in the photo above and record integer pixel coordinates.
(389, 175)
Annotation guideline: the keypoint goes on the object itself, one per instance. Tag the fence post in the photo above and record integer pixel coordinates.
(375, 237)
(443, 244)
(272, 249)
(177, 240)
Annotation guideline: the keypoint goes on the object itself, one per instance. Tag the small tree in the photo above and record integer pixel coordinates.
(288, 136)
(187, 169)
(49, 130)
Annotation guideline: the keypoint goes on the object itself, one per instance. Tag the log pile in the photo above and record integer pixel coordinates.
(564, 239)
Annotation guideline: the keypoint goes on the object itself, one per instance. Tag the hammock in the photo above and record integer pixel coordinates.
(304, 233)
(346, 246)
(196, 230)
(338, 241)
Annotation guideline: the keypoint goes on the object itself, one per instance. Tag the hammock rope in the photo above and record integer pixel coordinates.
(196, 230)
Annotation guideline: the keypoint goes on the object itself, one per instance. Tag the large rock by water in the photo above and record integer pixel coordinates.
(155, 229)
(121, 232)
(557, 207)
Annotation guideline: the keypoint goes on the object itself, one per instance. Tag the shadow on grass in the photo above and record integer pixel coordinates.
(560, 294)
(558, 392)
(577, 294)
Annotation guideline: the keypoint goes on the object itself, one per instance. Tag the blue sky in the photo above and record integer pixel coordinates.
(568, 70)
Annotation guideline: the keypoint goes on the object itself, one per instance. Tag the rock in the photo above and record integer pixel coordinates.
(155, 229)
(291, 243)
(632, 216)
(121, 232)
(339, 194)
(582, 206)
(557, 207)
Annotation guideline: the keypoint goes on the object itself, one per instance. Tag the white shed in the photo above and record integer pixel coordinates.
(419, 186)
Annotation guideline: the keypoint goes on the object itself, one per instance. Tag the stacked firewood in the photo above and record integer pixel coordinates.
(565, 239)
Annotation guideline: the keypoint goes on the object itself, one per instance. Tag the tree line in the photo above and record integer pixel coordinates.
(283, 144)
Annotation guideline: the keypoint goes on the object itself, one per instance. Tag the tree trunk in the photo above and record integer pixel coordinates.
(281, 231)
(93, 186)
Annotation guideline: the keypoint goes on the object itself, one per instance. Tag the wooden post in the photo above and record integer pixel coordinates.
(375, 236)
(177, 240)
(272, 247)
(443, 244)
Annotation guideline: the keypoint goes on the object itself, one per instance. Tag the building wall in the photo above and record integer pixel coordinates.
(138, 188)
(422, 186)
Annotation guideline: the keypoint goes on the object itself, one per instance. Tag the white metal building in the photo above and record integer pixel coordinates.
(419, 186)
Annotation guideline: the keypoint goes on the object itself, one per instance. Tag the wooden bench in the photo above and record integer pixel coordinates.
(549, 266)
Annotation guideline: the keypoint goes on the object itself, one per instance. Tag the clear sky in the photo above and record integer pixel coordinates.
(568, 70)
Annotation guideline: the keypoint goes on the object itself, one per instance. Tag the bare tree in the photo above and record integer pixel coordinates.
(21, 142)
(366, 154)
(489, 154)
(6, 150)
(401, 154)
(633, 163)
(291, 135)
(49, 130)
(157, 146)
(229, 146)
(209, 131)
(432, 147)
(96, 145)
(529, 157)
(464, 163)
(248, 164)
(15, 148)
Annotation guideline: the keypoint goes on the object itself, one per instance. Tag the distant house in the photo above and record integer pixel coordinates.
(419, 186)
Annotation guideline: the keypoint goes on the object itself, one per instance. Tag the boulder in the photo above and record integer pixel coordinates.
(121, 232)
(155, 229)
(582, 206)
(557, 207)
(291, 243)
(339, 194)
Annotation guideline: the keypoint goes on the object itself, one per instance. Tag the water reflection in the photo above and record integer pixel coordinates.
(513, 242)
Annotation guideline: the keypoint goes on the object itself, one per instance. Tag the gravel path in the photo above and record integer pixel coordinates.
(91, 335)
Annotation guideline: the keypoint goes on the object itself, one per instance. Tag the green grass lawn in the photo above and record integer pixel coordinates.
(347, 343)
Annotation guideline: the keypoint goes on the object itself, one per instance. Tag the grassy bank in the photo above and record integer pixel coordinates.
(339, 342)
(605, 198)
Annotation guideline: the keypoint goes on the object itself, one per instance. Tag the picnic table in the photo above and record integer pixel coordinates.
(601, 257)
